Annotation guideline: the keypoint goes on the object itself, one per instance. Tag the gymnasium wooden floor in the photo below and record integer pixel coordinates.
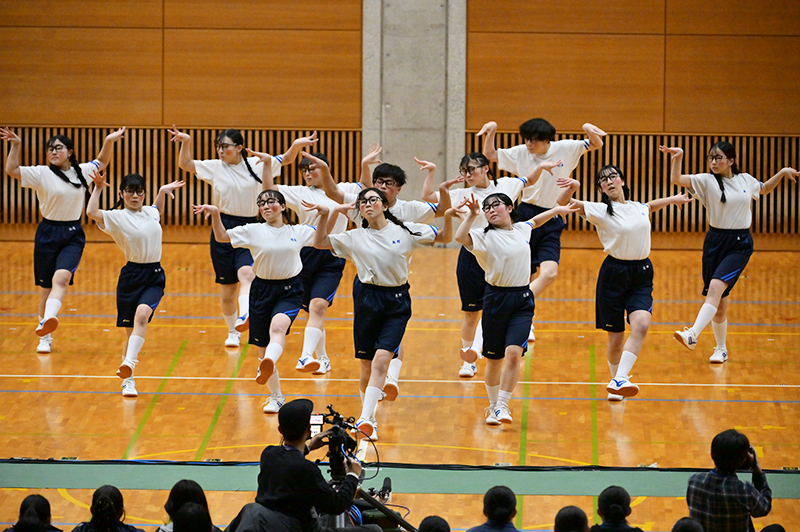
(199, 401)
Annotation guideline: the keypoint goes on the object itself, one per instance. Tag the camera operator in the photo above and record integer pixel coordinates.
(291, 485)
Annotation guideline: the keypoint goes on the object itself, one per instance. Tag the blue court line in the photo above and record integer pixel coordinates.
(346, 396)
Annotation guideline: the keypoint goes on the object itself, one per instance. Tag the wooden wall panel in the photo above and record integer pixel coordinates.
(566, 16)
(732, 84)
(276, 79)
(615, 81)
(82, 13)
(80, 77)
(262, 15)
(733, 17)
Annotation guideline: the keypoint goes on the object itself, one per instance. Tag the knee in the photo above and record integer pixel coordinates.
(472, 318)
(61, 278)
(318, 307)
(246, 274)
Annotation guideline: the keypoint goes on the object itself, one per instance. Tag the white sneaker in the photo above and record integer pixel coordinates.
(720, 355)
(265, 368)
(129, 388)
(622, 386)
(364, 428)
(324, 366)
(374, 435)
(47, 326)
(469, 355)
(531, 336)
(242, 322)
(273, 404)
(615, 397)
(467, 370)
(126, 368)
(382, 397)
(307, 364)
(490, 419)
(45, 344)
(686, 337)
(391, 388)
(502, 413)
(234, 339)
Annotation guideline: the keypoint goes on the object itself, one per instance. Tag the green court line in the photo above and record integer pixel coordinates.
(523, 438)
(153, 401)
(593, 395)
(221, 405)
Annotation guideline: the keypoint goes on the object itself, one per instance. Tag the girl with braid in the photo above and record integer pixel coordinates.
(62, 191)
(381, 250)
(727, 194)
(236, 181)
(108, 513)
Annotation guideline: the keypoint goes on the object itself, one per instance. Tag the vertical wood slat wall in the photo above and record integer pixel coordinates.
(150, 153)
(647, 173)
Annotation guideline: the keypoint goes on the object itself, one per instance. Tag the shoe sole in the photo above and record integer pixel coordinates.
(364, 431)
(680, 340)
(124, 371)
(244, 326)
(627, 391)
(130, 394)
(505, 421)
(466, 375)
(322, 371)
(614, 397)
(267, 366)
(391, 390)
(43, 351)
(232, 345)
(469, 355)
(713, 361)
(49, 325)
(494, 422)
(271, 411)
(311, 367)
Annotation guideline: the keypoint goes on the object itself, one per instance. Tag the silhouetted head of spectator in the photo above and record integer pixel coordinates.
(687, 524)
(192, 517)
(729, 450)
(571, 519)
(434, 523)
(500, 504)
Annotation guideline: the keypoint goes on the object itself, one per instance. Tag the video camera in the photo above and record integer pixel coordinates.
(340, 443)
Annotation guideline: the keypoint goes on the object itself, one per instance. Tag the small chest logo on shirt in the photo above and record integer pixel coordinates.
(293, 239)
(395, 241)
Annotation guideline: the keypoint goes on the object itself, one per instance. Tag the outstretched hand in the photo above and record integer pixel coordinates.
(488, 127)
(316, 162)
(177, 136)
(116, 135)
(264, 158)
(673, 152)
(425, 165)
(306, 141)
(206, 210)
(372, 156)
(322, 210)
(170, 188)
(10, 136)
(549, 165)
(791, 173)
(99, 179)
(568, 182)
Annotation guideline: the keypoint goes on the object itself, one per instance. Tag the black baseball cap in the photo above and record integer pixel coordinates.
(294, 418)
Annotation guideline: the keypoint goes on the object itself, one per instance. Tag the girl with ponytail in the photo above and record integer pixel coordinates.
(108, 513)
(727, 194)
(62, 190)
(236, 181)
(613, 507)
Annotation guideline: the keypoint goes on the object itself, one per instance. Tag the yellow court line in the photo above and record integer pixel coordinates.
(75, 501)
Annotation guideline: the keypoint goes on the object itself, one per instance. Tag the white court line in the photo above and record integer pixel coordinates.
(409, 381)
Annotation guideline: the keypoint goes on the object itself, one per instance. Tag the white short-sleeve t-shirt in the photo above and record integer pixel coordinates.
(275, 250)
(234, 189)
(382, 256)
(420, 212)
(626, 235)
(510, 186)
(138, 234)
(519, 161)
(504, 255)
(58, 201)
(296, 194)
(740, 191)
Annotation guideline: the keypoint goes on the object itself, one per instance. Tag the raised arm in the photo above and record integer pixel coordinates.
(444, 195)
(568, 187)
(369, 159)
(104, 157)
(12, 161)
(772, 182)
(445, 235)
(267, 181)
(533, 177)
(541, 219)
(169, 188)
(321, 236)
(678, 199)
(220, 233)
(185, 156)
(427, 185)
(299, 144)
(675, 176)
(489, 129)
(462, 234)
(93, 207)
(595, 135)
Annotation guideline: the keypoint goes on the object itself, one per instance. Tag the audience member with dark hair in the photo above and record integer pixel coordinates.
(34, 516)
(499, 507)
(108, 513)
(434, 523)
(722, 502)
(192, 517)
(183, 492)
(613, 506)
(687, 524)
(571, 519)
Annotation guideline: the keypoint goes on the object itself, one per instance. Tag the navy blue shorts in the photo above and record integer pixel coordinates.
(726, 252)
(622, 286)
(380, 316)
(507, 315)
(321, 273)
(471, 281)
(139, 284)
(545, 239)
(226, 259)
(270, 297)
(57, 246)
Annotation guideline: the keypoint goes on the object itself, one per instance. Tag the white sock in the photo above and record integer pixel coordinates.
(720, 332)
(51, 308)
(135, 344)
(613, 369)
(244, 304)
(310, 340)
(492, 392)
(371, 396)
(274, 383)
(273, 352)
(230, 321)
(626, 362)
(394, 368)
(504, 397)
(321, 351)
(477, 343)
(464, 343)
(707, 312)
